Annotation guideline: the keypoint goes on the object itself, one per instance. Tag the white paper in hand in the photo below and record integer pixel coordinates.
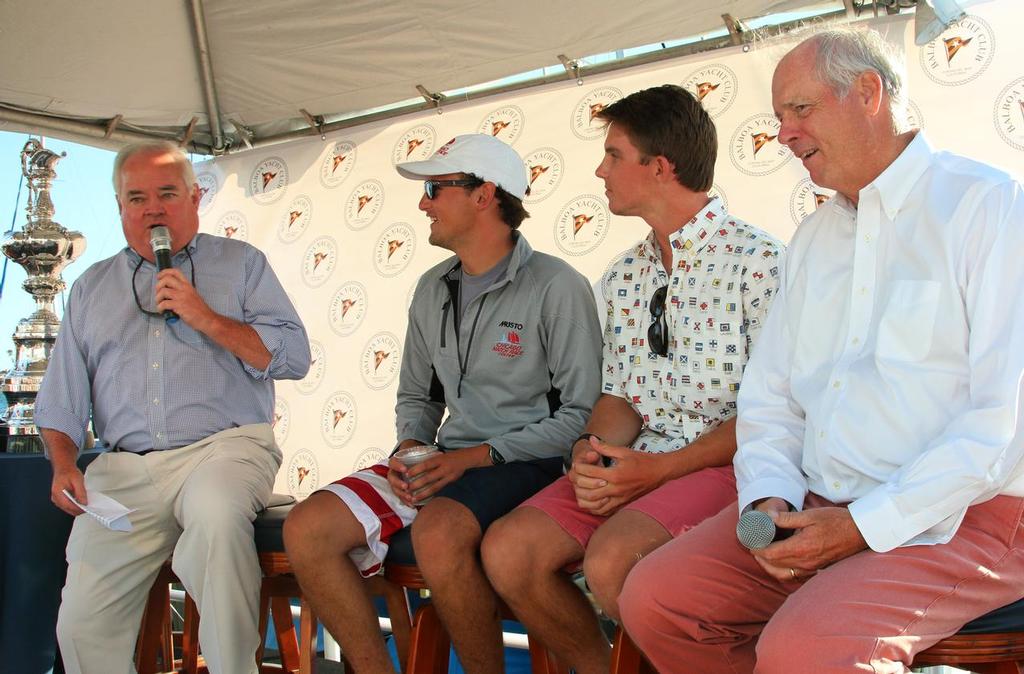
(106, 510)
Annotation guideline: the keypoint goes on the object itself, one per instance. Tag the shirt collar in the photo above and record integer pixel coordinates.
(695, 232)
(521, 252)
(898, 179)
(134, 257)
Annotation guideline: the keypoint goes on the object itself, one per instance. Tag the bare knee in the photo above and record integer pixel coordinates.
(606, 568)
(445, 534)
(514, 555)
(319, 526)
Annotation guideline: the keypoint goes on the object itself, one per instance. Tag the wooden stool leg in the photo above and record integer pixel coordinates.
(401, 617)
(626, 657)
(264, 611)
(543, 661)
(284, 631)
(428, 652)
(307, 638)
(190, 638)
(154, 632)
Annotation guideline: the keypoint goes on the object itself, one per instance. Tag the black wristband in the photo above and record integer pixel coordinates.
(567, 461)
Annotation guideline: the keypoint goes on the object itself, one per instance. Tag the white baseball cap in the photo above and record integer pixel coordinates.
(484, 156)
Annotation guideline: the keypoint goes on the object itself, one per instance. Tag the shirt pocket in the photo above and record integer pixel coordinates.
(218, 302)
(907, 326)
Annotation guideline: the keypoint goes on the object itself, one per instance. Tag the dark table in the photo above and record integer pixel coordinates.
(33, 535)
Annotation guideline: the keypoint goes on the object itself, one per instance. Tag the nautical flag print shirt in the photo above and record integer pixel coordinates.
(723, 278)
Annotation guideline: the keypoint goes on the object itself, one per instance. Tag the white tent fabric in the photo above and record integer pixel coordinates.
(93, 61)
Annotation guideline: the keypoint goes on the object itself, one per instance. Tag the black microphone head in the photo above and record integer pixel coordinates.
(160, 238)
(755, 530)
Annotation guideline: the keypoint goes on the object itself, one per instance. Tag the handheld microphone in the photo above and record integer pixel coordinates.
(756, 530)
(160, 242)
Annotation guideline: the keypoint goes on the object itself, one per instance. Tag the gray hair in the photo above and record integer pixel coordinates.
(154, 147)
(843, 54)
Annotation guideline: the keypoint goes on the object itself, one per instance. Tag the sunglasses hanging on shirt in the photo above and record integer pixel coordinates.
(657, 334)
(135, 292)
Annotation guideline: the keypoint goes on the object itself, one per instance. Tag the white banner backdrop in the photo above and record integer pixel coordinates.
(344, 235)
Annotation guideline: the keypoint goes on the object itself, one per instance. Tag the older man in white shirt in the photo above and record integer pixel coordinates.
(880, 417)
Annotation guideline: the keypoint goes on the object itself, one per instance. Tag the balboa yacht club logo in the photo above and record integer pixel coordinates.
(233, 225)
(581, 225)
(338, 419)
(281, 421)
(317, 367)
(584, 121)
(415, 144)
(295, 219)
(915, 119)
(806, 198)
(394, 249)
(364, 204)
(505, 123)
(319, 261)
(208, 188)
(303, 474)
(347, 309)
(370, 456)
(1009, 114)
(268, 181)
(380, 361)
(960, 54)
(717, 191)
(755, 148)
(714, 86)
(544, 168)
(337, 164)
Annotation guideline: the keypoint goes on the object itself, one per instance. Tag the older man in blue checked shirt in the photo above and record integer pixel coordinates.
(185, 407)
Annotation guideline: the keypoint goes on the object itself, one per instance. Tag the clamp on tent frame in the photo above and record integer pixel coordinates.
(315, 122)
(434, 100)
(573, 67)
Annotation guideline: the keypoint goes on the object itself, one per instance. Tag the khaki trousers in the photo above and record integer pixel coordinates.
(196, 503)
(701, 603)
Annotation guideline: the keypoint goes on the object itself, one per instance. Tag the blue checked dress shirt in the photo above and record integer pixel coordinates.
(154, 385)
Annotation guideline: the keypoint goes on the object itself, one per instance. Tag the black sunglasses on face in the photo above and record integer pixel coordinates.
(657, 334)
(430, 187)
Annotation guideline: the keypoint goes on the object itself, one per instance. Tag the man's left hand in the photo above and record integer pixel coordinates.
(822, 536)
(174, 292)
(429, 477)
(632, 475)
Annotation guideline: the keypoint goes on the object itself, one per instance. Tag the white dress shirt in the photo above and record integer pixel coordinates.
(888, 375)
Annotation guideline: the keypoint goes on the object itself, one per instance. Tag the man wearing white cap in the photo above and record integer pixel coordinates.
(506, 340)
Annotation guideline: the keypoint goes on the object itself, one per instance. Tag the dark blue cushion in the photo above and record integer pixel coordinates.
(400, 548)
(267, 527)
(1009, 618)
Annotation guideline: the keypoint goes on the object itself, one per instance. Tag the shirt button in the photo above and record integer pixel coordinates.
(836, 384)
(867, 238)
(836, 485)
(863, 290)
(156, 333)
(856, 340)
(159, 435)
(156, 366)
(156, 401)
(821, 434)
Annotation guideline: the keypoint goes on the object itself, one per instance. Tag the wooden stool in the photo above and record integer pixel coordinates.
(991, 644)
(155, 648)
(430, 643)
(626, 657)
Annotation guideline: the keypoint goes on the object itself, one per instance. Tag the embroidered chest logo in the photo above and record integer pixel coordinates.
(509, 345)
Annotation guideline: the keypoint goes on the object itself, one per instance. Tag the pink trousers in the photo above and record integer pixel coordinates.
(702, 604)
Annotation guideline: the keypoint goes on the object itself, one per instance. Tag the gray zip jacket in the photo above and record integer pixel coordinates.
(521, 370)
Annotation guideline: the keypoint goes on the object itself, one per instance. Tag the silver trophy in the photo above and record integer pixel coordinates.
(43, 248)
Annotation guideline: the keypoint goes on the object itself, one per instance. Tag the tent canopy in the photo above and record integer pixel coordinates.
(109, 72)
